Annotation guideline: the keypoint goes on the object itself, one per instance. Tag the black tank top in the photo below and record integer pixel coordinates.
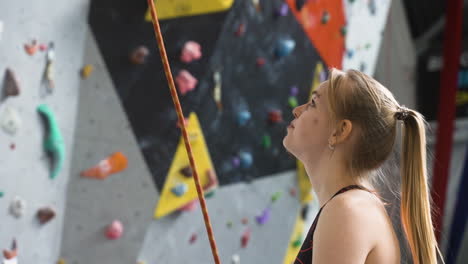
(305, 253)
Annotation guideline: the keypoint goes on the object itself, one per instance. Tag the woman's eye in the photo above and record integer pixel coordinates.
(312, 103)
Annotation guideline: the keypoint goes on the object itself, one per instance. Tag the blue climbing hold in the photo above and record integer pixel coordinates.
(284, 47)
(180, 189)
(246, 159)
(243, 117)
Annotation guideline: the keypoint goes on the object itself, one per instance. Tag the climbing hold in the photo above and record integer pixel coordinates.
(300, 4)
(53, 142)
(275, 116)
(193, 238)
(18, 207)
(362, 67)
(186, 171)
(372, 7)
(2, 194)
(190, 206)
(217, 90)
(31, 48)
(260, 62)
(325, 17)
(350, 53)
(292, 101)
(304, 211)
(294, 91)
(276, 196)
(12, 253)
(86, 71)
(61, 261)
(212, 181)
(235, 259)
(45, 214)
(43, 47)
(10, 84)
(12, 146)
(246, 159)
(186, 120)
(229, 224)
(191, 52)
(367, 46)
(243, 117)
(282, 10)
(139, 55)
(115, 163)
(298, 242)
(185, 82)
(180, 189)
(241, 28)
(264, 217)
(284, 47)
(266, 141)
(1, 29)
(293, 192)
(235, 162)
(10, 120)
(49, 71)
(256, 4)
(343, 30)
(114, 230)
(245, 238)
(245, 220)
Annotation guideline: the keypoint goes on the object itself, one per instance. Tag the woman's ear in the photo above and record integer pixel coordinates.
(341, 133)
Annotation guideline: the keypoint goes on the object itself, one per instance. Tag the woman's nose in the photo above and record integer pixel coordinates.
(296, 111)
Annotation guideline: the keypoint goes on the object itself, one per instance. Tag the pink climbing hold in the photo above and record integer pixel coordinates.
(193, 238)
(191, 52)
(190, 206)
(114, 230)
(185, 82)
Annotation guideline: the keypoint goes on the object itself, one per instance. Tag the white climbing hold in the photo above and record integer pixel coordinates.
(18, 207)
(235, 259)
(1, 29)
(10, 120)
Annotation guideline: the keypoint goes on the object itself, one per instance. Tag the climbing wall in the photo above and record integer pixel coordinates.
(97, 198)
(25, 167)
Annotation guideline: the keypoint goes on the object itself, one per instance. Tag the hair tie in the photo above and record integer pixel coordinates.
(402, 113)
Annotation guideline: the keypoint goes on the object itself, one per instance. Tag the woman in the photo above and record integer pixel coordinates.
(342, 135)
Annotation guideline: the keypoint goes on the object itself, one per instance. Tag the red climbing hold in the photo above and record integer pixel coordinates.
(45, 215)
(114, 230)
(260, 62)
(191, 52)
(245, 238)
(185, 82)
(31, 48)
(193, 238)
(275, 116)
(240, 31)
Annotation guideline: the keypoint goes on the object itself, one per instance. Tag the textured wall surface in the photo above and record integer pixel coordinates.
(24, 170)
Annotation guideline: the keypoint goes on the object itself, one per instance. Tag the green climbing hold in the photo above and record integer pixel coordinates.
(368, 45)
(210, 194)
(292, 101)
(297, 243)
(276, 196)
(344, 30)
(1, 194)
(266, 141)
(325, 17)
(229, 224)
(53, 142)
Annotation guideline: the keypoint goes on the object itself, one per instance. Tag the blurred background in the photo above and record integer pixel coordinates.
(92, 168)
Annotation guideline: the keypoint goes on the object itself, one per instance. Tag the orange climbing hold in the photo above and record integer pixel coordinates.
(115, 163)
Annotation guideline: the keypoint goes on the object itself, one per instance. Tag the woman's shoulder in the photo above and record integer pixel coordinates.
(350, 223)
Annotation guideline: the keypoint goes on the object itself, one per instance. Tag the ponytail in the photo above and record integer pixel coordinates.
(415, 200)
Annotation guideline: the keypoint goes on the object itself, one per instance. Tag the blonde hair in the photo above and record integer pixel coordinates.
(368, 104)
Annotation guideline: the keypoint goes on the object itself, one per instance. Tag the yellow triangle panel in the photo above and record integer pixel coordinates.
(168, 201)
(295, 241)
(179, 8)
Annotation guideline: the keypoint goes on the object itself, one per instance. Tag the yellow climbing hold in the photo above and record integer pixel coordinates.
(61, 261)
(86, 71)
(180, 8)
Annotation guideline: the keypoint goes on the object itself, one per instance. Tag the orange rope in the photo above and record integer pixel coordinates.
(175, 99)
